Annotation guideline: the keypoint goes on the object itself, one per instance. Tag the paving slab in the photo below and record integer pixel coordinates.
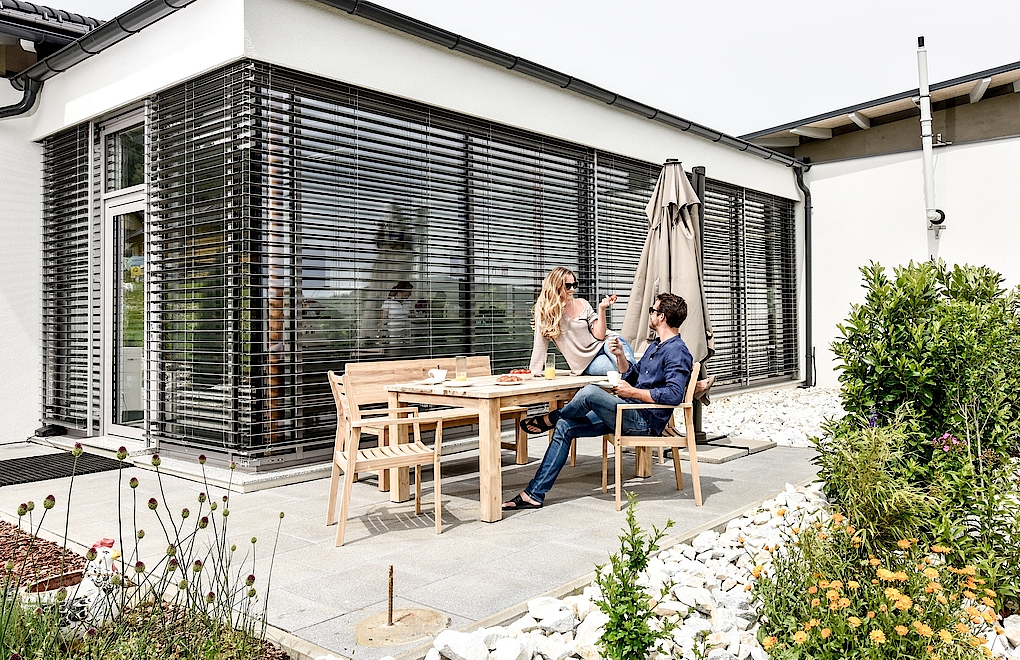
(474, 571)
(714, 454)
(750, 444)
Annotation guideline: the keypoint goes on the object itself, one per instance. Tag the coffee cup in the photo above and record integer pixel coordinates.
(438, 375)
(613, 377)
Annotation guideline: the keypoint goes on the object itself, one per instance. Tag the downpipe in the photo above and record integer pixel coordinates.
(810, 368)
(31, 93)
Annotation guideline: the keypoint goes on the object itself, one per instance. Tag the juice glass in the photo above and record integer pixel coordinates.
(550, 366)
(461, 367)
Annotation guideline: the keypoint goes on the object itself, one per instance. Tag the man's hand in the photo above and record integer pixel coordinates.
(616, 348)
(627, 391)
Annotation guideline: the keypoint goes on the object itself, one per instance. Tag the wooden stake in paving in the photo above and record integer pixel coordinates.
(389, 606)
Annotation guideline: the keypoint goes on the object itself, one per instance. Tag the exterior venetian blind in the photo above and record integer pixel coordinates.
(65, 284)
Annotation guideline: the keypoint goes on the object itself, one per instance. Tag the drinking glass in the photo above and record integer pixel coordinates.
(461, 362)
(550, 365)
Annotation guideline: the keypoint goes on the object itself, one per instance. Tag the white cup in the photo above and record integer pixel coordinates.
(438, 375)
(613, 377)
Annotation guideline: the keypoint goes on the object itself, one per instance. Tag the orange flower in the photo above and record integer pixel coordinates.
(799, 637)
(844, 602)
(939, 548)
(989, 592)
(904, 603)
(780, 512)
(873, 561)
(822, 536)
(854, 621)
(850, 529)
(885, 574)
(812, 590)
(930, 573)
(942, 599)
(923, 629)
(838, 518)
(825, 633)
(903, 543)
(877, 636)
(756, 571)
(892, 593)
(945, 636)
(900, 576)
(988, 601)
(815, 602)
(836, 584)
(769, 642)
(871, 615)
(962, 628)
(852, 585)
(832, 594)
(902, 630)
(969, 594)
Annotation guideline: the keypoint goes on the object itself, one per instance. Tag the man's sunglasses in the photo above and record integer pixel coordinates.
(652, 310)
(570, 285)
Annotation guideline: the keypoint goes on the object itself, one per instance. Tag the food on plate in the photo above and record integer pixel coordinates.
(509, 378)
(520, 371)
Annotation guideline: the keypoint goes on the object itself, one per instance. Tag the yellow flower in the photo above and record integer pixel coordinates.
(902, 630)
(871, 615)
(838, 518)
(815, 602)
(989, 616)
(900, 576)
(844, 602)
(969, 594)
(903, 603)
(939, 548)
(874, 562)
(822, 536)
(852, 585)
(877, 636)
(989, 592)
(836, 584)
(892, 593)
(942, 599)
(988, 601)
(854, 621)
(945, 636)
(799, 637)
(832, 594)
(825, 633)
(780, 512)
(756, 571)
(968, 570)
(850, 529)
(769, 642)
(923, 629)
(812, 590)
(813, 623)
(930, 573)
(885, 574)
(962, 628)
(903, 543)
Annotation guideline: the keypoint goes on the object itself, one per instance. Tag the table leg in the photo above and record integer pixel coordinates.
(643, 460)
(400, 481)
(489, 476)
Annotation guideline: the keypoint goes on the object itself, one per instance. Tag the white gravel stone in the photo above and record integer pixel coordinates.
(433, 654)
(508, 648)
(787, 416)
(460, 646)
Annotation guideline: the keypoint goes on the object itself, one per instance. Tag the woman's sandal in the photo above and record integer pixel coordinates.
(519, 502)
(537, 424)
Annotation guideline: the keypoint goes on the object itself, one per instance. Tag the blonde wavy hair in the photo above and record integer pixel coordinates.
(548, 309)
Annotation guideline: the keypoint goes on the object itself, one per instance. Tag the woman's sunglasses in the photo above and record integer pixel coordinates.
(570, 285)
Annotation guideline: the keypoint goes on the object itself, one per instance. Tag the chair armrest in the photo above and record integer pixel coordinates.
(639, 406)
(388, 421)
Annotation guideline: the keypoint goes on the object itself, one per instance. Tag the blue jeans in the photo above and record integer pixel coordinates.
(605, 361)
(592, 412)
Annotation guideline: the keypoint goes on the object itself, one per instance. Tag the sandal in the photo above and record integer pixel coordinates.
(538, 424)
(519, 502)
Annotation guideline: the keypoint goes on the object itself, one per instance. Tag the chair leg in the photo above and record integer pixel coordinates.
(522, 439)
(662, 455)
(677, 469)
(692, 449)
(384, 475)
(605, 462)
(619, 470)
(437, 493)
(345, 497)
(334, 482)
(573, 452)
(417, 490)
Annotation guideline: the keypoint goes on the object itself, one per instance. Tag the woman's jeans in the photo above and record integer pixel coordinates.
(591, 413)
(605, 361)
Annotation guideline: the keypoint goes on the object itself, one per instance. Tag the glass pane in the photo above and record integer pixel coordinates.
(125, 159)
(130, 314)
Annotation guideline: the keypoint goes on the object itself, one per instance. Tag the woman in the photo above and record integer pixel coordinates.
(578, 331)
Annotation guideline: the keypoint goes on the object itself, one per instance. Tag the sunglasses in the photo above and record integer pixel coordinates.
(570, 285)
(652, 310)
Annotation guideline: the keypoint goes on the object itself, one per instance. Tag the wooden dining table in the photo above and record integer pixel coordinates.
(488, 397)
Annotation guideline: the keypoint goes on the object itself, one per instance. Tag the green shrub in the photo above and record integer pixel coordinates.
(825, 599)
(630, 634)
(946, 343)
(862, 470)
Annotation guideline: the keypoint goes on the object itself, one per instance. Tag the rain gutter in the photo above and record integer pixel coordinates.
(114, 31)
(456, 42)
(810, 368)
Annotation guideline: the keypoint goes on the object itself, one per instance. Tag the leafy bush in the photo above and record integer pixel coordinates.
(824, 598)
(943, 341)
(629, 633)
(861, 467)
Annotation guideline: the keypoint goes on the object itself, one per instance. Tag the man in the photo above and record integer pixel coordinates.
(659, 377)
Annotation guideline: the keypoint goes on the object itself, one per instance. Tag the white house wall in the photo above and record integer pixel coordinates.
(873, 209)
(317, 39)
(20, 225)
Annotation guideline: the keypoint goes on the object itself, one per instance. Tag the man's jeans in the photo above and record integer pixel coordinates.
(592, 412)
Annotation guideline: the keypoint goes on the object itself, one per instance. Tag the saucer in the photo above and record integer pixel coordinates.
(605, 384)
(429, 381)
(456, 383)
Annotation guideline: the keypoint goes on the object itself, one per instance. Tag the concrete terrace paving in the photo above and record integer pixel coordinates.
(471, 571)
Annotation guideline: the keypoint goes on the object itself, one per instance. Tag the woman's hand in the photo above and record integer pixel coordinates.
(608, 301)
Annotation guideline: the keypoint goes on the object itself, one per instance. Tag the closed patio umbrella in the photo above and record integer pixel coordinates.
(671, 263)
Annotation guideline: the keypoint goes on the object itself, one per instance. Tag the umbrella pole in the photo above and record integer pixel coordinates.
(698, 181)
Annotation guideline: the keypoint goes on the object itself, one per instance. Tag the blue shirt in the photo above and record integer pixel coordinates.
(664, 370)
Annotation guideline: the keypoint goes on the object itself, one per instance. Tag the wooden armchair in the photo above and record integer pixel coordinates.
(347, 457)
(670, 438)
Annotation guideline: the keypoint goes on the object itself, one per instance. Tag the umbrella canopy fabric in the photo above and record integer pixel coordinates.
(671, 263)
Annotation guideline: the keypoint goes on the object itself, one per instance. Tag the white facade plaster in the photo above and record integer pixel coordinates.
(873, 209)
(311, 37)
(20, 275)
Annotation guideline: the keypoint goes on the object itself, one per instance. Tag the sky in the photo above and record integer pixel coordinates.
(734, 65)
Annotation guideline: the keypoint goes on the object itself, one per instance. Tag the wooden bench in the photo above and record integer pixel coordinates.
(367, 381)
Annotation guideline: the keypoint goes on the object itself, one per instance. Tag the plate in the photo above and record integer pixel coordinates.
(428, 381)
(605, 384)
(455, 383)
(519, 382)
